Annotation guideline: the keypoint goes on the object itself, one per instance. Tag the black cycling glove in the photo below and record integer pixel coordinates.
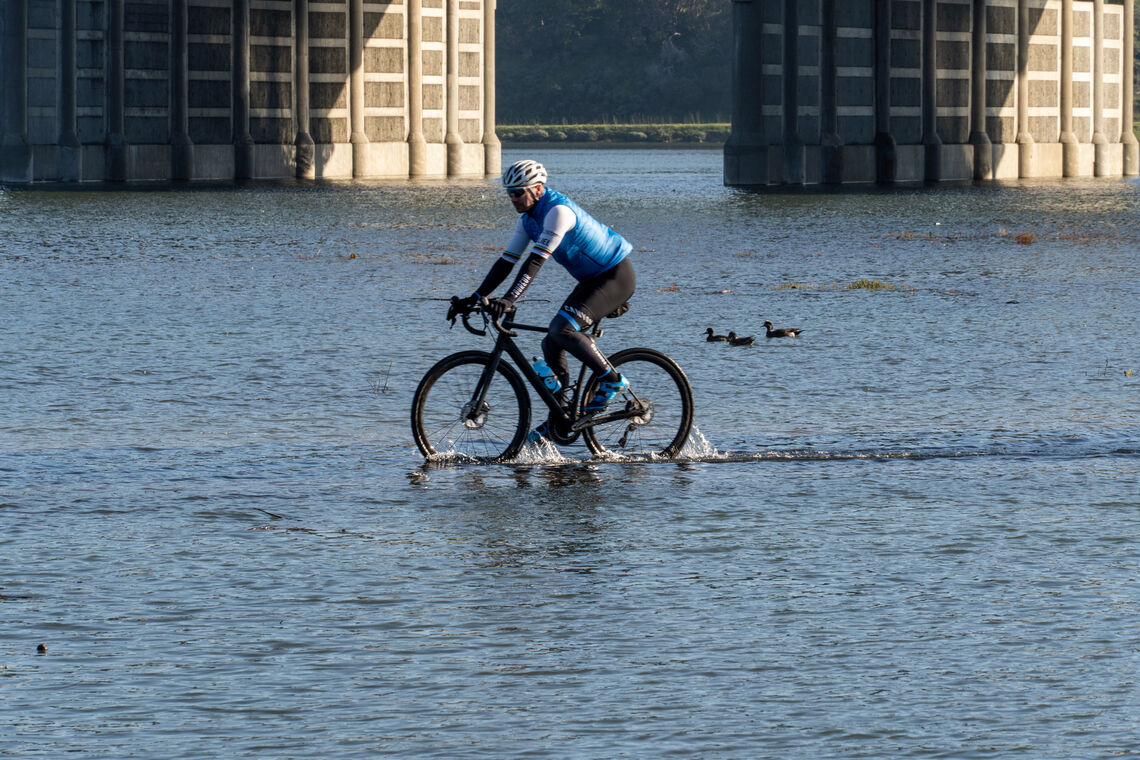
(497, 307)
(460, 306)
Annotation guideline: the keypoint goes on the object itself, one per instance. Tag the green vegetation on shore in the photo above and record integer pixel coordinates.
(631, 133)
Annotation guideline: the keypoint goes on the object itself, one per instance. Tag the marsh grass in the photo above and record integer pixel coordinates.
(872, 285)
(912, 236)
(380, 383)
(632, 133)
(423, 258)
(860, 284)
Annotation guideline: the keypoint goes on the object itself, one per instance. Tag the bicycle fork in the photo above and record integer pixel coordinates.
(475, 411)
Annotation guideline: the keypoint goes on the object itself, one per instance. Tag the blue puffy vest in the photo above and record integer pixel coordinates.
(587, 250)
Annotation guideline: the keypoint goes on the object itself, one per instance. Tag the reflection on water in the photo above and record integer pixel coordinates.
(908, 533)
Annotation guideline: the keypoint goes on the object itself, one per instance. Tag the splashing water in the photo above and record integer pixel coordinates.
(698, 446)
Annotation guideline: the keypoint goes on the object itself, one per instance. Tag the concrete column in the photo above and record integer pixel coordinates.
(15, 150)
(243, 140)
(979, 138)
(70, 162)
(492, 148)
(181, 146)
(1099, 141)
(452, 139)
(1131, 148)
(745, 153)
(306, 150)
(886, 158)
(830, 141)
(931, 142)
(1025, 145)
(359, 138)
(793, 144)
(115, 144)
(1070, 153)
(417, 145)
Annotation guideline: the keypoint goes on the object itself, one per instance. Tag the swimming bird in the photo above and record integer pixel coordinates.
(733, 340)
(783, 332)
(714, 338)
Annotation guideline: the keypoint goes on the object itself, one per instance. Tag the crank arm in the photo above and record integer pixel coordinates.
(601, 419)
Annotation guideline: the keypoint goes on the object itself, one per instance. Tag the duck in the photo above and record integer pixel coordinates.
(734, 340)
(783, 332)
(714, 338)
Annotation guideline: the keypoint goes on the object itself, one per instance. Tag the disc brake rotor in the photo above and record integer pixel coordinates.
(474, 421)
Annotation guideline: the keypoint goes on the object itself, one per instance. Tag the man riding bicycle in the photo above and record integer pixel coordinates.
(596, 256)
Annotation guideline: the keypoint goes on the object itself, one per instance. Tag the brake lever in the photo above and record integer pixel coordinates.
(451, 312)
(496, 324)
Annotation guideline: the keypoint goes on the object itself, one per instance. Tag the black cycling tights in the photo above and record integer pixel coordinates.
(591, 300)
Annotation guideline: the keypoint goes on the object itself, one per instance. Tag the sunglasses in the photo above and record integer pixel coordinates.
(516, 193)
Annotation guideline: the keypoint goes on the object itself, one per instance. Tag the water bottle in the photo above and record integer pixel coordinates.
(547, 374)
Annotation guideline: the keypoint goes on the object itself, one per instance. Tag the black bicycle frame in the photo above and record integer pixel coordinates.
(504, 343)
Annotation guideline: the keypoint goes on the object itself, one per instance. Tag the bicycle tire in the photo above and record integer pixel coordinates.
(654, 378)
(440, 423)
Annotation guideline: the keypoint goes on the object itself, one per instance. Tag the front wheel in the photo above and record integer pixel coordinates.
(450, 422)
(657, 409)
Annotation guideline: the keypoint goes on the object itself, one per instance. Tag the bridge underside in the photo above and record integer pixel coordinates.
(837, 91)
(94, 90)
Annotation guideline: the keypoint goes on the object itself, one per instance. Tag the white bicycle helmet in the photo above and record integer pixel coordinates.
(523, 174)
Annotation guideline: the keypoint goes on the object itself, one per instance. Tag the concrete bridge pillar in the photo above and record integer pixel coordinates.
(979, 137)
(181, 146)
(1025, 142)
(358, 138)
(15, 150)
(745, 151)
(452, 138)
(114, 143)
(793, 152)
(243, 140)
(492, 148)
(1099, 141)
(911, 90)
(830, 141)
(886, 149)
(1070, 149)
(305, 160)
(417, 143)
(931, 142)
(1127, 137)
(70, 157)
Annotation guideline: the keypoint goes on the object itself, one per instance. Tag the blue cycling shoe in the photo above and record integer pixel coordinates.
(538, 434)
(607, 389)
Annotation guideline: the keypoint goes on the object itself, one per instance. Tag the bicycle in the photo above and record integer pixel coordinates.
(474, 406)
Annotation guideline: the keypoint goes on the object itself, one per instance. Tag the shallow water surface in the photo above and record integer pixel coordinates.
(911, 532)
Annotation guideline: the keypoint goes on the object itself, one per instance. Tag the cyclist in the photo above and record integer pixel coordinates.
(595, 255)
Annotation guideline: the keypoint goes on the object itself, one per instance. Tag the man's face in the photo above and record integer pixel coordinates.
(523, 199)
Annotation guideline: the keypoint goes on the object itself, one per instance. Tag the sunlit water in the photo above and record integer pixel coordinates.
(911, 532)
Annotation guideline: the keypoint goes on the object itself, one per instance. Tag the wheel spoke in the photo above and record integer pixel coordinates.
(441, 419)
(660, 392)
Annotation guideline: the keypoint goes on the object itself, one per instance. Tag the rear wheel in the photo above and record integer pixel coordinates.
(660, 400)
(448, 423)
